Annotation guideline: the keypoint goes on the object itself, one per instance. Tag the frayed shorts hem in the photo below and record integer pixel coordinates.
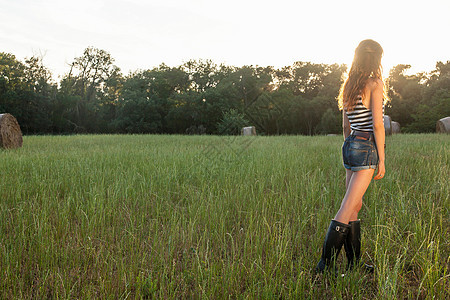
(359, 168)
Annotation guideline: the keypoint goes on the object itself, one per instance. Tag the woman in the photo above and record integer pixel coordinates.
(361, 100)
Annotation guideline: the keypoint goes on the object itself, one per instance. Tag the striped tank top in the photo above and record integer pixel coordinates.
(360, 117)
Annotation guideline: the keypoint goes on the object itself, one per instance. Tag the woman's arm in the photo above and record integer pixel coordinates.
(345, 124)
(376, 101)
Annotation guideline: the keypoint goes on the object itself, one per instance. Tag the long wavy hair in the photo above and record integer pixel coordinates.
(366, 64)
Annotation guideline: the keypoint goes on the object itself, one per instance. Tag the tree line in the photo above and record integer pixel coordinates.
(200, 96)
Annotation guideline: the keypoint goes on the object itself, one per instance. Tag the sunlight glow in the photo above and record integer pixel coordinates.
(142, 35)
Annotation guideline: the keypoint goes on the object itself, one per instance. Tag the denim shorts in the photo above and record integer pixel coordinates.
(359, 154)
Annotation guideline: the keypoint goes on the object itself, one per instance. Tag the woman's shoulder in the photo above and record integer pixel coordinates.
(374, 84)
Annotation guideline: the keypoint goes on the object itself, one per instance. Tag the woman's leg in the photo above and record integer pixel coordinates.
(348, 176)
(351, 204)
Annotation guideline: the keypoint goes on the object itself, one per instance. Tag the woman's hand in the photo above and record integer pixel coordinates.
(381, 171)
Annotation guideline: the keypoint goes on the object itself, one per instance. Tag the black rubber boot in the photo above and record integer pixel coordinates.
(335, 238)
(352, 246)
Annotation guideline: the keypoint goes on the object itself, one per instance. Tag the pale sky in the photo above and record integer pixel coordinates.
(144, 34)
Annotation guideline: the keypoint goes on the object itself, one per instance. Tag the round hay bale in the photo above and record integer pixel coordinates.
(443, 125)
(387, 125)
(251, 130)
(10, 133)
(395, 127)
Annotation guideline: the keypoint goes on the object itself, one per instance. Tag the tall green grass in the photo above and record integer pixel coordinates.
(216, 217)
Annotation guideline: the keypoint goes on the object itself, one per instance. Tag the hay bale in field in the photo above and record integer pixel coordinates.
(395, 127)
(10, 133)
(251, 130)
(443, 125)
(387, 125)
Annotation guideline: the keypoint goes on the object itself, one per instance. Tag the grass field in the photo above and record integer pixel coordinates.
(216, 217)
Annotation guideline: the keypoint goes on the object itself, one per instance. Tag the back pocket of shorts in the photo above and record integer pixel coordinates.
(357, 157)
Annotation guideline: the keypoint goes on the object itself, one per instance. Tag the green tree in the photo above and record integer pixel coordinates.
(232, 122)
(88, 79)
(418, 101)
(405, 93)
(204, 74)
(137, 108)
(146, 99)
(330, 122)
(25, 91)
(435, 102)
